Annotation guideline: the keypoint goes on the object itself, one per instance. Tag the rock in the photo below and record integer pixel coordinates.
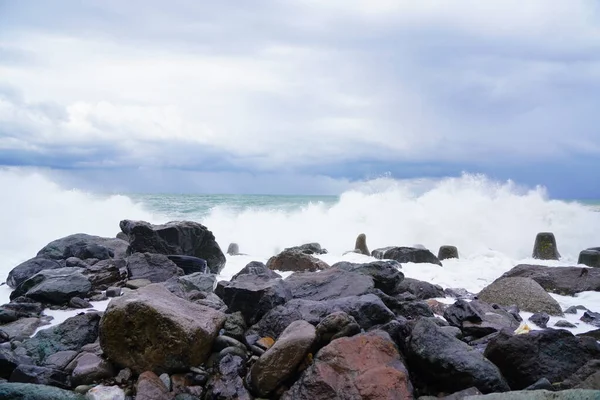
(101, 392)
(447, 252)
(9, 360)
(223, 341)
(591, 258)
(123, 376)
(279, 362)
(199, 281)
(233, 249)
(30, 391)
(566, 281)
(184, 238)
(113, 292)
(166, 381)
(542, 384)
(227, 383)
(78, 302)
(22, 328)
(463, 394)
(253, 296)
(564, 324)
(519, 357)
(368, 310)
(257, 268)
(540, 319)
(446, 364)
(189, 264)
(545, 247)
(574, 309)
(477, 319)
(153, 267)
(336, 325)
(265, 343)
(591, 318)
(386, 274)
(308, 248)
(106, 273)
(406, 255)
(150, 387)
(540, 395)
(295, 261)
(235, 326)
(152, 329)
(589, 372)
(360, 246)
(365, 366)
(40, 376)
(60, 360)
(332, 283)
(137, 283)
(56, 286)
(527, 294)
(72, 334)
(422, 290)
(29, 268)
(85, 246)
(408, 309)
(89, 368)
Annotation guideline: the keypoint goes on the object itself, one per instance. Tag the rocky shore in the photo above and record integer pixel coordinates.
(172, 330)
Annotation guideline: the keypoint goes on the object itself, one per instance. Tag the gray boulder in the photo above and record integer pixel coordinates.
(151, 329)
(88, 368)
(572, 394)
(566, 281)
(86, 246)
(257, 268)
(199, 281)
(184, 238)
(29, 268)
(332, 283)
(21, 328)
(422, 290)
(55, 286)
(386, 274)
(525, 293)
(154, 267)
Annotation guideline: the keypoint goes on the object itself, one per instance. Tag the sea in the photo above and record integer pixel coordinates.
(492, 223)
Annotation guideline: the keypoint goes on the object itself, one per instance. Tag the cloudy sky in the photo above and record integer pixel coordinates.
(301, 96)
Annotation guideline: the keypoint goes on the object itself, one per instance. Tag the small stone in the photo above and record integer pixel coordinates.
(137, 283)
(540, 319)
(265, 343)
(78, 302)
(574, 309)
(234, 351)
(99, 297)
(105, 393)
(235, 326)
(123, 376)
(564, 324)
(166, 380)
(113, 291)
(222, 342)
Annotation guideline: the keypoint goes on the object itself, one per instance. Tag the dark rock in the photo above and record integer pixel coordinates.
(40, 376)
(446, 364)
(199, 281)
(590, 370)
(74, 262)
(542, 384)
(552, 354)
(406, 255)
(113, 292)
(78, 302)
(60, 360)
(30, 391)
(75, 245)
(386, 274)
(29, 268)
(422, 290)
(336, 325)
(24, 307)
(566, 281)
(72, 334)
(360, 246)
(574, 309)
(526, 293)
(22, 328)
(564, 324)
(56, 286)
(123, 376)
(545, 247)
(89, 368)
(540, 319)
(227, 383)
(447, 252)
(190, 264)
(591, 318)
(366, 366)
(152, 329)
(308, 248)
(593, 334)
(477, 319)
(253, 296)
(408, 309)
(278, 363)
(332, 283)
(150, 387)
(235, 326)
(591, 258)
(7, 316)
(295, 261)
(106, 273)
(399, 330)
(209, 300)
(154, 267)
(233, 249)
(257, 268)
(4, 337)
(9, 360)
(175, 238)
(137, 283)
(368, 310)
(541, 395)
(223, 341)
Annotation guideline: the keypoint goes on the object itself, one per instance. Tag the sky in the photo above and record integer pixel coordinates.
(300, 96)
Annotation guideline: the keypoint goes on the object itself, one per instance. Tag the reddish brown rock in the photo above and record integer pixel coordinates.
(150, 387)
(365, 366)
(295, 261)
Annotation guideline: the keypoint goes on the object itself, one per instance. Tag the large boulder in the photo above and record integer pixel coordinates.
(544, 247)
(525, 293)
(420, 289)
(154, 267)
(332, 283)
(29, 268)
(84, 246)
(280, 361)
(366, 366)
(199, 281)
(386, 274)
(21, 328)
(295, 261)
(54, 286)
(566, 281)
(152, 329)
(31, 391)
(553, 354)
(406, 255)
(445, 364)
(253, 295)
(72, 334)
(184, 238)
